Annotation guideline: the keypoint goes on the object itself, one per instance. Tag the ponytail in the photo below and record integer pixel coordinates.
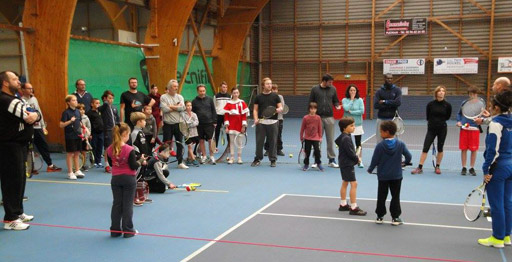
(116, 141)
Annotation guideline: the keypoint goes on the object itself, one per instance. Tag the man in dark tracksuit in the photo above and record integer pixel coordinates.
(387, 100)
(204, 107)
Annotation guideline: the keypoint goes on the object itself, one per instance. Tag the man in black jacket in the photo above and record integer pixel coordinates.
(204, 107)
(387, 100)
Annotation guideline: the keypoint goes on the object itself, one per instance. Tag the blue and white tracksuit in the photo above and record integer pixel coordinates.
(498, 154)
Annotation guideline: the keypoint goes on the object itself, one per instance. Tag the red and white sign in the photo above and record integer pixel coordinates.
(404, 66)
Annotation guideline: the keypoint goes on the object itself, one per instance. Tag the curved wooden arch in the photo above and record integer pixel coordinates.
(114, 13)
(232, 31)
(166, 25)
(47, 56)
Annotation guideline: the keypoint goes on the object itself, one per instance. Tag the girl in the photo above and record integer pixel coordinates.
(124, 168)
(497, 169)
(235, 121)
(438, 112)
(311, 135)
(193, 138)
(353, 106)
(70, 121)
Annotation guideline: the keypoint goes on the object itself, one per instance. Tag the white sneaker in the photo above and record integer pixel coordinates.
(334, 165)
(230, 161)
(79, 174)
(203, 159)
(26, 218)
(240, 161)
(314, 165)
(16, 225)
(182, 166)
(361, 165)
(212, 160)
(71, 176)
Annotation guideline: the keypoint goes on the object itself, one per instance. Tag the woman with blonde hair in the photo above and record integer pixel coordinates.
(438, 112)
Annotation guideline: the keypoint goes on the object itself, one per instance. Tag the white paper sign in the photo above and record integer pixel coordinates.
(460, 65)
(404, 66)
(505, 65)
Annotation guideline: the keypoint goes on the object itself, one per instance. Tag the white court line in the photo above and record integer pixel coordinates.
(197, 252)
(366, 140)
(373, 221)
(374, 199)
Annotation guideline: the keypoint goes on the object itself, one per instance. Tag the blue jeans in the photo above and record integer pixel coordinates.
(97, 147)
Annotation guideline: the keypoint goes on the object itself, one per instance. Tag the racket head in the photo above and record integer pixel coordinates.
(434, 154)
(475, 203)
(301, 156)
(185, 131)
(473, 108)
(268, 112)
(286, 109)
(358, 151)
(400, 127)
(241, 140)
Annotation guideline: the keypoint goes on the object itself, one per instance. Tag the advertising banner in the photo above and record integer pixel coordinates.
(460, 65)
(411, 26)
(404, 66)
(505, 65)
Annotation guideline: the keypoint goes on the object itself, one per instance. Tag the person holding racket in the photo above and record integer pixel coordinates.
(71, 122)
(353, 106)
(499, 85)
(387, 100)
(280, 117)
(469, 138)
(86, 132)
(235, 121)
(324, 95)
(497, 169)
(438, 112)
(311, 135)
(191, 122)
(266, 122)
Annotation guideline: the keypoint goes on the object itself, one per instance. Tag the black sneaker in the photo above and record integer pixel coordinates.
(344, 208)
(379, 220)
(472, 171)
(396, 221)
(272, 163)
(256, 162)
(463, 172)
(357, 212)
(130, 234)
(116, 234)
(280, 153)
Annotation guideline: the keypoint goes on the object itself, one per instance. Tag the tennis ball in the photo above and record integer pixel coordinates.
(193, 188)
(290, 155)
(188, 188)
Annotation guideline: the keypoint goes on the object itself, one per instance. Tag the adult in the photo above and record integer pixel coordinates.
(324, 95)
(82, 96)
(133, 101)
(499, 85)
(266, 128)
(387, 100)
(204, 107)
(17, 131)
(353, 106)
(172, 105)
(438, 112)
(27, 91)
(220, 100)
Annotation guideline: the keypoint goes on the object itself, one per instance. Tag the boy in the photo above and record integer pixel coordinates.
(192, 122)
(138, 138)
(156, 173)
(469, 137)
(96, 132)
(280, 128)
(70, 121)
(311, 135)
(347, 158)
(110, 117)
(150, 129)
(388, 157)
(86, 133)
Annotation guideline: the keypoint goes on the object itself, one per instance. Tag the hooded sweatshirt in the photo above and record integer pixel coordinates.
(388, 157)
(498, 141)
(392, 96)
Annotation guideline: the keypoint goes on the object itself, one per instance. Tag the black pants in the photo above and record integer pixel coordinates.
(268, 132)
(156, 185)
(173, 130)
(358, 140)
(13, 178)
(432, 133)
(42, 146)
(150, 145)
(307, 149)
(393, 186)
(279, 138)
(123, 191)
(97, 146)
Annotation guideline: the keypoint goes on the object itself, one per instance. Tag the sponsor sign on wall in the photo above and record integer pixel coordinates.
(404, 66)
(411, 26)
(460, 65)
(505, 65)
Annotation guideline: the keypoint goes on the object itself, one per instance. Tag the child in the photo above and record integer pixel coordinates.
(235, 121)
(70, 121)
(110, 117)
(497, 169)
(156, 173)
(193, 138)
(311, 135)
(280, 128)
(388, 157)
(347, 158)
(96, 132)
(86, 133)
(138, 138)
(124, 167)
(150, 129)
(469, 135)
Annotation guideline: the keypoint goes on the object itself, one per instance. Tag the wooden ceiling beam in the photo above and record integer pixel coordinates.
(114, 13)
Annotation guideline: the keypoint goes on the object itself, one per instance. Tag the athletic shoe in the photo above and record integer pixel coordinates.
(116, 234)
(344, 208)
(71, 176)
(463, 172)
(138, 203)
(26, 218)
(396, 221)
(148, 200)
(79, 174)
(173, 153)
(314, 165)
(240, 161)
(212, 160)
(84, 168)
(96, 165)
(130, 234)
(203, 160)
(305, 168)
(35, 172)
(230, 161)
(360, 165)
(280, 153)
(472, 171)
(379, 220)
(182, 166)
(15, 225)
(266, 153)
(491, 242)
(438, 170)
(100, 165)
(507, 241)
(25, 198)
(417, 171)
(320, 167)
(188, 162)
(195, 163)
(256, 162)
(272, 163)
(108, 169)
(333, 164)
(357, 212)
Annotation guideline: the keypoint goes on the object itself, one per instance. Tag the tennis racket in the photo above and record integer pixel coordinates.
(184, 129)
(286, 109)
(241, 140)
(473, 108)
(267, 113)
(222, 136)
(189, 187)
(475, 203)
(302, 155)
(213, 144)
(400, 127)
(358, 151)
(434, 154)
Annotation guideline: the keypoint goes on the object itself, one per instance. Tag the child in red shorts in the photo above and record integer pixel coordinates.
(469, 135)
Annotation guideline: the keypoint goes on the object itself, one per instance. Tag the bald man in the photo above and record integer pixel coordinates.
(500, 84)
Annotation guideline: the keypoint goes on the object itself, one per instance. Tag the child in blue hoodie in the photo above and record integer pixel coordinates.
(497, 169)
(388, 157)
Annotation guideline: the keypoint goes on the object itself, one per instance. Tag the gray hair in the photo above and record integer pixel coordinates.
(169, 84)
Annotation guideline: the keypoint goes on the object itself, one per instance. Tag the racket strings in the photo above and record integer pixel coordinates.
(473, 108)
(473, 205)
